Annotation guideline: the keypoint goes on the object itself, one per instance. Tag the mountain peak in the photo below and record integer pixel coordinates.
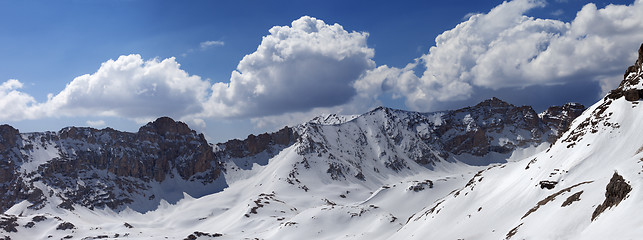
(494, 102)
(381, 108)
(165, 125)
(332, 119)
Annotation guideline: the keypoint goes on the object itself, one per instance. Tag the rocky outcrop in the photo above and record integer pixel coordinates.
(636, 68)
(13, 186)
(8, 137)
(98, 168)
(470, 130)
(630, 86)
(476, 130)
(615, 191)
(152, 153)
(254, 145)
(560, 117)
(165, 126)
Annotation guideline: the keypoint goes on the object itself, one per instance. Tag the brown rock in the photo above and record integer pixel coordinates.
(629, 70)
(159, 149)
(560, 117)
(165, 125)
(630, 81)
(632, 95)
(615, 191)
(254, 145)
(8, 137)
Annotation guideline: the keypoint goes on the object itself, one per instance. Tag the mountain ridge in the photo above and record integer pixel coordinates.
(497, 170)
(84, 150)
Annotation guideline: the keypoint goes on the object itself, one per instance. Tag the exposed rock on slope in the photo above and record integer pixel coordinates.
(560, 117)
(254, 145)
(615, 191)
(630, 87)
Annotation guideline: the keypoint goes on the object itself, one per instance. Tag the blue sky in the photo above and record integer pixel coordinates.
(121, 63)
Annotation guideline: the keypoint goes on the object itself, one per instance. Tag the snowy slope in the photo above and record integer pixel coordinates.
(586, 186)
(507, 197)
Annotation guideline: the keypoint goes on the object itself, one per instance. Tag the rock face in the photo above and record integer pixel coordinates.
(630, 87)
(497, 126)
(615, 191)
(477, 130)
(397, 140)
(98, 168)
(254, 145)
(560, 117)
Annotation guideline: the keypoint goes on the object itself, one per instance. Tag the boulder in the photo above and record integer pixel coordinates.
(632, 95)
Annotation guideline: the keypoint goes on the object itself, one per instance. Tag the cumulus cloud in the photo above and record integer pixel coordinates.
(507, 49)
(128, 87)
(308, 65)
(295, 68)
(14, 104)
(208, 44)
(132, 88)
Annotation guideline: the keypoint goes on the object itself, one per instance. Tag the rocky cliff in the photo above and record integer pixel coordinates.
(98, 168)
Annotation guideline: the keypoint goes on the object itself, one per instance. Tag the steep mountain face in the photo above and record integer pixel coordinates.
(253, 145)
(101, 168)
(496, 126)
(492, 126)
(560, 117)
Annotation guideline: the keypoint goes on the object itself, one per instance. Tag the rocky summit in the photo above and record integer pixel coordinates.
(100, 168)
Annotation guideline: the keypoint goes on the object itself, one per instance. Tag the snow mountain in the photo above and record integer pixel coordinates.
(165, 162)
(490, 171)
(585, 186)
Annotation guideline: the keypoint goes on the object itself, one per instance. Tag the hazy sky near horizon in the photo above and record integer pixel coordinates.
(231, 68)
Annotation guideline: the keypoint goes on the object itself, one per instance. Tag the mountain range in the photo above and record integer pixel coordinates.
(489, 171)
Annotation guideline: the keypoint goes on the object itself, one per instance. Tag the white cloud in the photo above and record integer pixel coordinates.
(295, 68)
(133, 88)
(208, 44)
(14, 104)
(128, 87)
(469, 15)
(98, 123)
(506, 49)
(300, 69)
(536, 51)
